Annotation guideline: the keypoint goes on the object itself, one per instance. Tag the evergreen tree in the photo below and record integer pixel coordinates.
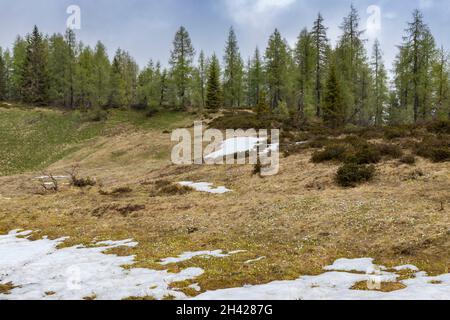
(3, 84)
(276, 68)
(304, 59)
(233, 72)
(181, 60)
(413, 67)
(380, 83)
(101, 75)
(19, 55)
(7, 75)
(441, 85)
(84, 82)
(202, 73)
(352, 68)
(262, 109)
(35, 75)
(322, 49)
(333, 107)
(255, 79)
(214, 99)
(117, 83)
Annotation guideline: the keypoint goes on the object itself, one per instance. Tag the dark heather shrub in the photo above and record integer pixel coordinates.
(440, 154)
(351, 174)
(396, 132)
(408, 159)
(439, 127)
(390, 150)
(367, 154)
(435, 148)
(336, 152)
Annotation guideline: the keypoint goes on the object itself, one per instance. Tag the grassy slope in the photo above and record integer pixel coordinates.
(299, 220)
(32, 139)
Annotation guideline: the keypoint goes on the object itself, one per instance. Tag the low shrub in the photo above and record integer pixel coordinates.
(390, 150)
(408, 159)
(392, 133)
(164, 187)
(440, 154)
(366, 154)
(83, 182)
(95, 115)
(439, 127)
(240, 120)
(435, 148)
(351, 174)
(335, 152)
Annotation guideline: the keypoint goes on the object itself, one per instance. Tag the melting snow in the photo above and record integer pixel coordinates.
(41, 271)
(204, 187)
(239, 145)
(254, 260)
(204, 254)
(336, 285)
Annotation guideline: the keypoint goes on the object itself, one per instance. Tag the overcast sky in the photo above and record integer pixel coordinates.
(146, 27)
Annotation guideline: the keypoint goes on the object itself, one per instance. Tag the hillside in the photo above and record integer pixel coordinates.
(291, 224)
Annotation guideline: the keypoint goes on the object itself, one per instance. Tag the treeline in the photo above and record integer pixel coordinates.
(313, 81)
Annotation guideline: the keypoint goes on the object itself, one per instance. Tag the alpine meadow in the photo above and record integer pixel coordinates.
(93, 205)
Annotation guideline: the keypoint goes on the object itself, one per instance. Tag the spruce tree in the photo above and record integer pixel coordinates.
(35, 75)
(276, 68)
(3, 84)
(101, 76)
(304, 58)
(333, 106)
(322, 49)
(214, 99)
(380, 83)
(18, 61)
(255, 79)
(413, 67)
(233, 72)
(181, 61)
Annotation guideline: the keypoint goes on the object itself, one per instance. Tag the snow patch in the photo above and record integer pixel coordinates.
(254, 260)
(336, 285)
(41, 271)
(204, 254)
(239, 145)
(204, 187)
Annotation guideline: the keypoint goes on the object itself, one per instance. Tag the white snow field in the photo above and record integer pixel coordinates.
(39, 270)
(336, 284)
(238, 145)
(204, 187)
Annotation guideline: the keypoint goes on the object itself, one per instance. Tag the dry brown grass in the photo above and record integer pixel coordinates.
(384, 286)
(300, 220)
(5, 288)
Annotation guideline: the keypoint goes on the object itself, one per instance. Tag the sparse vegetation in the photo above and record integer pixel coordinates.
(164, 187)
